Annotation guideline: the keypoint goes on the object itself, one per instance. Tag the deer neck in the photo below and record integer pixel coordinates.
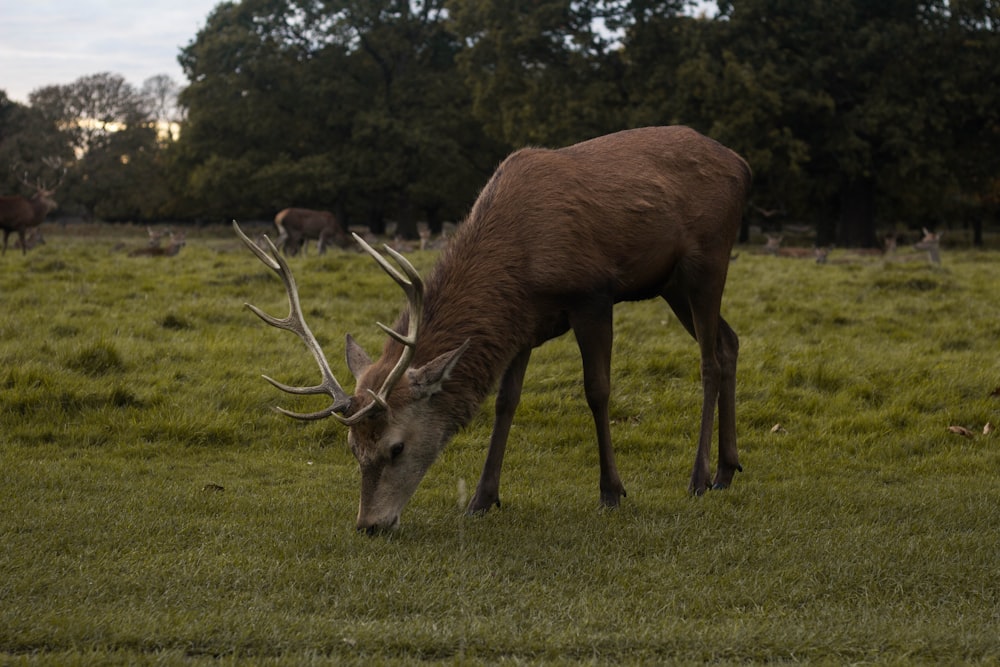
(453, 313)
(41, 204)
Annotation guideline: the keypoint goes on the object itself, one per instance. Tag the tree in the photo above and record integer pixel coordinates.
(843, 106)
(540, 72)
(269, 109)
(30, 144)
(159, 95)
(351, 106)
(91, 108)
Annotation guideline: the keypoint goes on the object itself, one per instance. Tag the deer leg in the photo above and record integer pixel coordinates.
(6, 233)
(593, 330)
(508, 396)
(700, 316)
(727, 351)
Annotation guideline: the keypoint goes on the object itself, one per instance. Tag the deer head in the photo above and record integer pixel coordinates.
(394, 432)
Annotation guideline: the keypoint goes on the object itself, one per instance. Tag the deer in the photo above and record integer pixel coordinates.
(33, 237)
(297, 225)
(554, 240)
(18, 214)
(176, 242)
(773, 247)
(156, 236)
(931, 243)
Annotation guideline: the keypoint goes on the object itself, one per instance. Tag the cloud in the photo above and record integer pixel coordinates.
(47, 42)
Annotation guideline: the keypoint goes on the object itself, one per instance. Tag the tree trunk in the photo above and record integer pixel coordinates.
(406, 225)
(857, 215)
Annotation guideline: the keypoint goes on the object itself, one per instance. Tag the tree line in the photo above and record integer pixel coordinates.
(856, 115)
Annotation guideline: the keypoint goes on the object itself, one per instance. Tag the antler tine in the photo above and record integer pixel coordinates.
(296, 323)
(413, 286)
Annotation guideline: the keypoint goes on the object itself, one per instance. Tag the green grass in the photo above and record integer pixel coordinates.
(156, 511)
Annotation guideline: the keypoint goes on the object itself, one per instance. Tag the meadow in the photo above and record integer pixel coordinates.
(155, 510)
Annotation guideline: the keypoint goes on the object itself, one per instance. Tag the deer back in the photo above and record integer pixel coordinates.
(617, 215)
(18, 212)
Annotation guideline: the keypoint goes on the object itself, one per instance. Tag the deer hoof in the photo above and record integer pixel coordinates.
(481, 506)
(612, 499)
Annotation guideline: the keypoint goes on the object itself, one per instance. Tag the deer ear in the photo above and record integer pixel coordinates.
(358, 360)
(427, 380)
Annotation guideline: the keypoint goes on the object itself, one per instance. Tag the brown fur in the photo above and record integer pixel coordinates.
(554, 240)
(298, 225)
(18, 214)
(177, 241)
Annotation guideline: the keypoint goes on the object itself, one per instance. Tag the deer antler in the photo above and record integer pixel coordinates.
(413, 286)
(295, 322)
(53, 163)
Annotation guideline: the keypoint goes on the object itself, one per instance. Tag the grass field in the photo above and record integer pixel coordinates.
(156, 511)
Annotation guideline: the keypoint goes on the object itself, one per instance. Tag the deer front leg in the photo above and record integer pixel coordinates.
(508, 396)
(593, 329)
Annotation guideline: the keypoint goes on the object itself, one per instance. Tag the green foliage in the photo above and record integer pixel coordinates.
(356, 107)
(850, 107)
(157, 511)
(855, 116)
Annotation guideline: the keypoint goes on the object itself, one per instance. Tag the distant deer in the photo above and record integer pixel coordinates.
(773, 247)
(18, 214)
(555, 239)
(297, 225)
(858, 255)
(176, 242)
(156, 236)
(33, 237)
(931, 243)
(428, 243)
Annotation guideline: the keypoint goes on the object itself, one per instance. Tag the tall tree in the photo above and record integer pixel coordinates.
(31, 145)
(414, 141)
(842, 105)
(92, 108)
(544, 72)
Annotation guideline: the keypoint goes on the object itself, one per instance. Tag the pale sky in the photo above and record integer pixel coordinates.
(55, 42)
(46, 42)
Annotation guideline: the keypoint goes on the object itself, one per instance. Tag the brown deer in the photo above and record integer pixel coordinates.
(554, 241)
(773, 247)
(297, 225)
(18, 214)
(176, 242)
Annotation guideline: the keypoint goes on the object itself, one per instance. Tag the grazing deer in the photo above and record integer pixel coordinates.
(298, 225)
(554, 241)
(177, 242)
(18, 214)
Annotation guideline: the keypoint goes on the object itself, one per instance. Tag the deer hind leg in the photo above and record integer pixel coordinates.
(699, 313)
(508, 396)
(592, 327)
(727, 352)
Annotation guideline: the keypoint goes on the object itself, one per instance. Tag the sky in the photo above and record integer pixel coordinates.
(55, 42)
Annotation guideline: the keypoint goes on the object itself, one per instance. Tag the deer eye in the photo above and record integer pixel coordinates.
(395, 451)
